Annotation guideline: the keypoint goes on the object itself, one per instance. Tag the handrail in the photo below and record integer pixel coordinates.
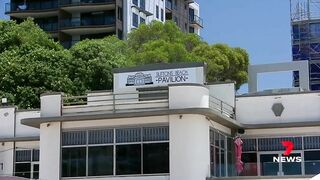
(129, 101)
(29, 6)
(84, 2)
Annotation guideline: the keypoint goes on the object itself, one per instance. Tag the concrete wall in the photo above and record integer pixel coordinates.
(188, 96)
(6, 158)
(23, 130)
(50, 151)
(7, 116)
(297, 108)
(189, 147)
(225, 92)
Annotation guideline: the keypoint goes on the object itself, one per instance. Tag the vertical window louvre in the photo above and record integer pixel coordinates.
(128, 135)
(249, 145)
(311, 142)
(274, 144)
(74, 138)
(155, 133)
(100, 136)
(142, 4)
(23, 156)
(35, 155)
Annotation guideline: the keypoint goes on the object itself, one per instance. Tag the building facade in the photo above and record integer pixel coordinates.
(163, 122)
(70, 21)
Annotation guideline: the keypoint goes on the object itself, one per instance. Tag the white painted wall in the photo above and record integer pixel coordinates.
(188, 96)
(51, 105)
(23, 130)
(6, 158)
(189, 147)
(296, 131)
(7, 116)
(116, 122)
(225, 92)
(297, 108)
(27, 145)
(50, 151)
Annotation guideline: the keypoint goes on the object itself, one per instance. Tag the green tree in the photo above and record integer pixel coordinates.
(30, 64)
(165, 43)
(93, 61)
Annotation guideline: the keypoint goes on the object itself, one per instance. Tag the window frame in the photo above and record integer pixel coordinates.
(114, 144)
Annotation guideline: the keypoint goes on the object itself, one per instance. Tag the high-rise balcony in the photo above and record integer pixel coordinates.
(196, 21)
(32, 9)
(87, 25)
(49, 27)
(85, 5)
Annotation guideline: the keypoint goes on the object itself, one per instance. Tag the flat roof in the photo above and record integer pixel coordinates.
(213, 115)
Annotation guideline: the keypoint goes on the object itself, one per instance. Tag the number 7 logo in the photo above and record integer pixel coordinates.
(289, 147)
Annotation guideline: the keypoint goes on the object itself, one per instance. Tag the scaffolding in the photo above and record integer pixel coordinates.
(305, 31)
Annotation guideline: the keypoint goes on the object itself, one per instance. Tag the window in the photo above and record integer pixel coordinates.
(143, 4)
(312, 162)
(191, 29)
(117, 151)
(155, 158)
(120, 13)
(100, 160)
(250, 164)
(128, 159)
(135, 20)
(142, 20)
(27, 163)
(162, 15)
(74, 162)
(157, 12)
(175, 4)
(135, 2)
(221, 154)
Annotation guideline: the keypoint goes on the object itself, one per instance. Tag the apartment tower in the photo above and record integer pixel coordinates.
(70, 21)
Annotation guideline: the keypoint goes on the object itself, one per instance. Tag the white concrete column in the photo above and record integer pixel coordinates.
(51, 105)
(189, 147)
(50, 151)
(6, 158)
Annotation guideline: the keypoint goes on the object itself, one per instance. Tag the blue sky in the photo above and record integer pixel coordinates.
(260, 27)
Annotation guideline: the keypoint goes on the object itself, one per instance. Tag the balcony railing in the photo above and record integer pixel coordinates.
(84, 2)
(109, 102)
(222, 107)
(90, 21)
(50, 27)
(30, 6)
(196, 20)
(68, 44)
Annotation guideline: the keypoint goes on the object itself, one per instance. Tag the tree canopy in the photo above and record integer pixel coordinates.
(31, 63)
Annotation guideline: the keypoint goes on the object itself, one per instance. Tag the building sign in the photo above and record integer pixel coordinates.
(159, 77)
(286, 154)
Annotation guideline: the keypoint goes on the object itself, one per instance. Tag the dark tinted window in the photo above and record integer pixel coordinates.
(100, 161)
(135, 20)
(23, 170)
(312, 162)
(74, 162)
(156, 158)
(128, 160)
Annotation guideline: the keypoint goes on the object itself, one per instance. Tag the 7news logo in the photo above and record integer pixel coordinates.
(286, 155)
